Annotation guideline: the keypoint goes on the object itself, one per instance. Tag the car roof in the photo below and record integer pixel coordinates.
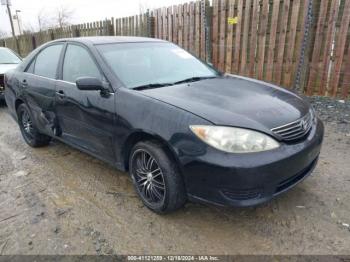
(96, 40)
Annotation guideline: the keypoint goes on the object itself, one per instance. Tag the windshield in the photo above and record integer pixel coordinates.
(139, 64)
(8, 57)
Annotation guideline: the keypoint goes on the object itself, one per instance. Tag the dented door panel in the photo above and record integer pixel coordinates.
(40, 97)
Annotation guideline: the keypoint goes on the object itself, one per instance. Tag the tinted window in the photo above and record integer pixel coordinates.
(79, 63)
(152, 63)
(47, 61)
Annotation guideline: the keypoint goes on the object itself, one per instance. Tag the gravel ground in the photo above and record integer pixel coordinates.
(333, 111)
(57, 200)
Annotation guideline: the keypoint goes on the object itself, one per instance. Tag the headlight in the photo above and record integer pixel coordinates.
(234, 140)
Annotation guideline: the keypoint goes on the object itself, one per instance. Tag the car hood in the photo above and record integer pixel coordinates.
(5, 67)
(235, 101)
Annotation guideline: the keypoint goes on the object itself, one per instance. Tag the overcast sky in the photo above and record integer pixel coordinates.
(83, 10)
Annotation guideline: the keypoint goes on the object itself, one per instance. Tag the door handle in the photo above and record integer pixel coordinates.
(61, 94)
(24, 83)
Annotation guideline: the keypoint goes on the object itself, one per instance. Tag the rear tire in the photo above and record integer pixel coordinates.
(2, 100)
(29, 132)
(156, 178)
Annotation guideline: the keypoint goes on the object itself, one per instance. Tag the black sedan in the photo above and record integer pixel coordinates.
(183, 130)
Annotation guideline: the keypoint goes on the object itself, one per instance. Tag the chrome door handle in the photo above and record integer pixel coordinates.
(60, 94)
(24, 83)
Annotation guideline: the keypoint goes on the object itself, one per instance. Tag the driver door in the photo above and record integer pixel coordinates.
(85, 118)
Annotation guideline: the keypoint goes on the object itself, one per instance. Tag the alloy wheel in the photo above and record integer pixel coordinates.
(27, 124)
(148, 177)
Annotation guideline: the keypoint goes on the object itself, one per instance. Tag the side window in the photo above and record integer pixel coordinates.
(78, 63)
(47, 60)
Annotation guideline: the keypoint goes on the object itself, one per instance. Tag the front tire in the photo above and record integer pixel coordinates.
(156, 178)
(29, 132)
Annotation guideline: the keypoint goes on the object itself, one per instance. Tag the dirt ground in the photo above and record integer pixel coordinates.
(57, 200)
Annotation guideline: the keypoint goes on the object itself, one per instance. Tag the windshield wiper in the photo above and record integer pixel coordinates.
(194, 79)
(149, 86)
(187, 80)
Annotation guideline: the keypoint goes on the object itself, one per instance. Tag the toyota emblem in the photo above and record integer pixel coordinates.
(303, 125)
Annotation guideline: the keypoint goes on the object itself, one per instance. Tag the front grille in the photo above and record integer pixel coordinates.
(295, 130)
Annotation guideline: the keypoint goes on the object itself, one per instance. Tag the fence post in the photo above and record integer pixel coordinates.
(52, 35)
(206, 23)
(33, 42)
(76, 32)
(17, 45)
(108, 27)
(104, 27)
(112, 28)
(150, 25)
(304, 54)
(148, 21)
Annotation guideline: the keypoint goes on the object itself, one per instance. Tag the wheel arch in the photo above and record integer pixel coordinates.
(139, 136)
(14, 108)
(18, 102)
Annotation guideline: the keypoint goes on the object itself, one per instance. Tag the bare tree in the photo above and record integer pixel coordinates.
(143, 6)
(28, 28)
(43, 20)
(64, 16)
(3, 34)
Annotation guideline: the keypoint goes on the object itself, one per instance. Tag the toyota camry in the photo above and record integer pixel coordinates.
(183, 130)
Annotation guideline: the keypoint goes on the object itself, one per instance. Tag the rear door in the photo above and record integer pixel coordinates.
(86, 118)
(38, 84)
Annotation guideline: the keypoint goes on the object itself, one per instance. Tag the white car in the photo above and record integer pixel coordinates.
(8, 60)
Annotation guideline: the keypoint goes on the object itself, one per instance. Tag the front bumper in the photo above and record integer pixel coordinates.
(250, 179)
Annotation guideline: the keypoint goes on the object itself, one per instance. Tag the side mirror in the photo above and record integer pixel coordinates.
(89, 84)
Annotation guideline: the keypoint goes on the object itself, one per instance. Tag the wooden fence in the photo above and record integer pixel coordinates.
(29, 42)
(265, 43)
(137, 25)
(329, 57)
(293, 43)
(185, 25)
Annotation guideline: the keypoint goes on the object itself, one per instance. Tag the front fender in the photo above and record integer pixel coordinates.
(139, 113)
